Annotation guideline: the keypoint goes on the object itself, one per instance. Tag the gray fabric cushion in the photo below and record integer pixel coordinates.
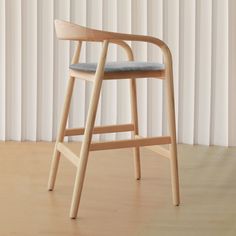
(119, 66)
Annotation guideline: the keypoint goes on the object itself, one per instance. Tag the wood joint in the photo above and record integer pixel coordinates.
(157, 149)
(71, 156)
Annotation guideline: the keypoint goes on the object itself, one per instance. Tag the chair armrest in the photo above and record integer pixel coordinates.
(143, 38)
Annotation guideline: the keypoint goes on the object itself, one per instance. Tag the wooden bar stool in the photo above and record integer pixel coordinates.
(96, 73)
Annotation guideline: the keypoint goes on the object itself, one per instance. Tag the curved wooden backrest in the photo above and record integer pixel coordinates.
(70, 31)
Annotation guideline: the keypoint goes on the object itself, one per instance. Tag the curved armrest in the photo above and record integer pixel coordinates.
(142, 38)
(165, 49)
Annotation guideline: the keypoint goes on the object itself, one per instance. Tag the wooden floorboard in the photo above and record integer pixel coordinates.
(113, 202)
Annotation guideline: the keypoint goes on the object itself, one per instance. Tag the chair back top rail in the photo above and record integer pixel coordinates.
(70, 31)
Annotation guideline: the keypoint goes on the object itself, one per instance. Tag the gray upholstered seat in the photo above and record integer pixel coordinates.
(121, 66)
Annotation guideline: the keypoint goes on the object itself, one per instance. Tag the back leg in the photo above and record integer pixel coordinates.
(134, 115)
(172, 129)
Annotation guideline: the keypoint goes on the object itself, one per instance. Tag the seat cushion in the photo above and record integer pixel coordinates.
(119, 66)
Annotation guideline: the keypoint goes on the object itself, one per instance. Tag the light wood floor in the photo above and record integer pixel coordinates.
(113, 203)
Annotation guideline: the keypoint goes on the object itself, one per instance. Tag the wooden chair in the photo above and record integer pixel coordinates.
(96, 73)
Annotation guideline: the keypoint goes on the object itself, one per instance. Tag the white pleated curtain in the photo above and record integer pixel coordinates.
(34, 67)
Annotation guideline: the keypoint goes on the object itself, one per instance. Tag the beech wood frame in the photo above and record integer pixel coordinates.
(68, 31)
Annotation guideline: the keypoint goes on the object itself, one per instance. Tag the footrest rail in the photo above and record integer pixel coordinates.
(130, 143)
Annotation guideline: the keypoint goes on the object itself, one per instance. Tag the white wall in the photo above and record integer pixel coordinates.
(34, 67)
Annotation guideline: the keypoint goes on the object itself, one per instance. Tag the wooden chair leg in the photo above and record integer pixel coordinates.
(134, 115)
(84, 153)
(172, 130)
(88, 133)
(60, 136)
(174, 174)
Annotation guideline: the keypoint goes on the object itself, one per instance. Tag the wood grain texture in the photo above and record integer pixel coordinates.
(137, 208)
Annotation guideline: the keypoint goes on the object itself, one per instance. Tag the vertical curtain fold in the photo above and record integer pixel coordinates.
(34, 67)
